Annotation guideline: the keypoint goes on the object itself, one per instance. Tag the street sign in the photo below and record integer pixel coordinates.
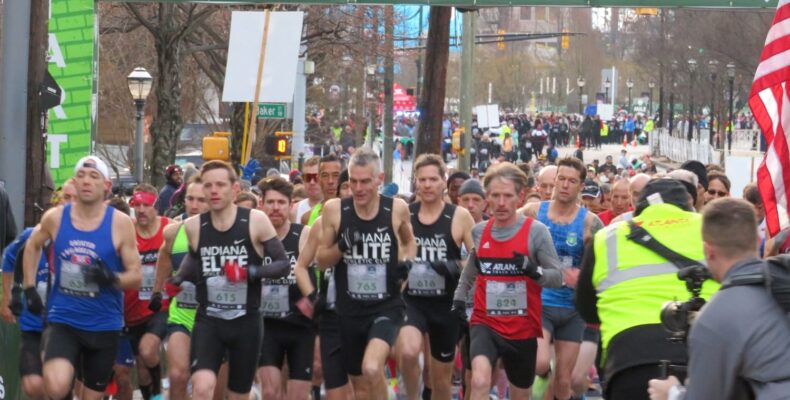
(271, 110)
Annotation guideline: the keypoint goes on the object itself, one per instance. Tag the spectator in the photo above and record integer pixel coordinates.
(173, 175)
(7, 224)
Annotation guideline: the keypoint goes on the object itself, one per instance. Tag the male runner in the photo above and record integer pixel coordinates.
(514, 257)
(311, 188)
(571, 226)
(546, 180)
(439, 229)
(621, 201)
(328, 174)
(635, 185)
(320, 304)
(95, 258)
(473, 199)
(181, 313)
(365, 237)
(227, 246)
(289, 333)
(145, 326)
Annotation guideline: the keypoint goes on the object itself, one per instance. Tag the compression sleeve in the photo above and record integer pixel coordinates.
(280, 266)
(468, 276)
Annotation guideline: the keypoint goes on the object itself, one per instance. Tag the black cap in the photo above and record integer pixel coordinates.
(667, 191)
(341, 180)
(591, 189)
(472, 186)
(698, 169)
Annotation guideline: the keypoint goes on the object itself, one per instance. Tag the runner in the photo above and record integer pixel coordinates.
(454, 183)
(145, 326)
(230, 242)
(328, 174)
(571, 226)
(95, 258)
(546, 179)
(514, 258)
(636, 184)
(439, 229)
(312, 189)
(319, 304)
(365, 236)
(181, 313)
(621, 201)
(473, 199)
(289, 333)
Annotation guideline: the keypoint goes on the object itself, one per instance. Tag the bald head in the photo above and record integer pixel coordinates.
(546, 178)
(635, 186)
(621, 196)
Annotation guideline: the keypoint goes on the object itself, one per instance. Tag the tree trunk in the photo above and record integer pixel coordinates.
(37, 190)
(167, 123)
(429, 137)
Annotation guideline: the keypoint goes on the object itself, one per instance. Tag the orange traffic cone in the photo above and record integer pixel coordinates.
(578, 142)
(633, 143)
(625, 140)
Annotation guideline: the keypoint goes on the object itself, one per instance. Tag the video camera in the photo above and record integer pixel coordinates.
(677, 316)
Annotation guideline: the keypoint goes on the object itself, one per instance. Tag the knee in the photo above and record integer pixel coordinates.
(372, 371)
(203, 386)
(33, 386)
(271, 391)
(481, 381)
(57, 386)
(150, 354)
(122, 376)
(178, 375)
(410, 352)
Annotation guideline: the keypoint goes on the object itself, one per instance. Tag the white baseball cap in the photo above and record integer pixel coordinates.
(95, 163)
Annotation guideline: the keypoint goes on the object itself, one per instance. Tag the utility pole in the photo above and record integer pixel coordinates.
(431, 105)
(467, 83)
(418, 87)
(37, 187)
(13, 102)
(389, 77)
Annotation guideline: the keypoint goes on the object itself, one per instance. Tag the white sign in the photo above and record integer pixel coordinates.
(244, 51)
(742, 171)
(487, 116)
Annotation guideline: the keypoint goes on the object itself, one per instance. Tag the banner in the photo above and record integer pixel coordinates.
(72, 38)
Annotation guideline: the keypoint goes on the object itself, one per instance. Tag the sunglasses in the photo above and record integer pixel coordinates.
(311, 177)
(718, 193)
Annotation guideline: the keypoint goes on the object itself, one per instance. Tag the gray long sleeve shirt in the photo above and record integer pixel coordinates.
(541, 252)
(740, 339)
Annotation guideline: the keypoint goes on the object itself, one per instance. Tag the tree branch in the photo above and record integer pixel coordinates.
(139, 17)
(200, 49)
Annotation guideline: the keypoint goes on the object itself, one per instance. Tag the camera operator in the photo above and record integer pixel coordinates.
(623, 285)
(730, 358)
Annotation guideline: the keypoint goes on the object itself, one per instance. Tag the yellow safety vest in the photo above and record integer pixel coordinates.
(649, 126)
(632, 282)
(605, 130)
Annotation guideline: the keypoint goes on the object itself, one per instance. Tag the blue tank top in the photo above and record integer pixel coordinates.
(27, 321)
(569, 241)
(72, 301)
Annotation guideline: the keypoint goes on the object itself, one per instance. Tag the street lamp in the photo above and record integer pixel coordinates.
(370, 70)
(580, 81)
(651, 85)
(630, 84)
(139, 82)
(692, 69)
(731, 125)
(607, 84)
(713, 66)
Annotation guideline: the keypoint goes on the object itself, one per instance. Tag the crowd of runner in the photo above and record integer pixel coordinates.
(326, 287)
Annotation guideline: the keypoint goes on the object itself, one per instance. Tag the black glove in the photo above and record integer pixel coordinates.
(459, 311)
(446, 268)
(100, 274)
(531, 270)
(33, 301)
(348, 238)
(403, 269)
(155, 304)
(16, 301)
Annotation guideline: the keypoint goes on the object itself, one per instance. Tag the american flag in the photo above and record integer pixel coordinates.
(770, 105)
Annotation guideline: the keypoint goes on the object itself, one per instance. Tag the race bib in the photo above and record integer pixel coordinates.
(226, 300)
(274, 302)
(506, 298)
(186, 299)
(41, 289)
(331, 291)
(147, 287)
(425, 281)
(367, 282)
(72, 281)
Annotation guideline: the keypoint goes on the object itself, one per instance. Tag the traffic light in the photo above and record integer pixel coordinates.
(278, 145)
(501, 41)
(566, 40)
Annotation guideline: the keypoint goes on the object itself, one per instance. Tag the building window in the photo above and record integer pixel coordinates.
(526, 13)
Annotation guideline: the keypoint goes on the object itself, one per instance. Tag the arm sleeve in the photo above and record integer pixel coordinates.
(280, 265)
(467, 280)
(712, 371)
(189, 270)
(542, 252)
(586, 298)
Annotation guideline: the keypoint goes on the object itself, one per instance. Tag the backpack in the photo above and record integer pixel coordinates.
(775, 276)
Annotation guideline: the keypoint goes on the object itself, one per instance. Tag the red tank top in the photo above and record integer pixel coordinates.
(135, 307)
(506, 300)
